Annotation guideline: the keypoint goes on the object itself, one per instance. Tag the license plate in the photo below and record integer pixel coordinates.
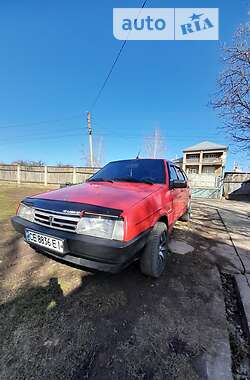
(46, 241)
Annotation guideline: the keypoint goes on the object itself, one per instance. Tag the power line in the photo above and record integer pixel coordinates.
(76, 116)
(94, 102)
(108, 75)
(106, 132)
(142, 134)
(109, 134)
(40, 135)
(58, 136)
(112, 68)
(24, 142)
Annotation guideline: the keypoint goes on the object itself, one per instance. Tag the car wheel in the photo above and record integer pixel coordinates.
(153, 260)
(188, 214)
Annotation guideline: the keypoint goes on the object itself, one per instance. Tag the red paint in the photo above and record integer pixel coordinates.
(142, 204)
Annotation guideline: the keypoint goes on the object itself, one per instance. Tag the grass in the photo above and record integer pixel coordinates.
(12, 194)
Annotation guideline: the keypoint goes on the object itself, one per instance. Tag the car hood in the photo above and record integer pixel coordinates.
(117, 195)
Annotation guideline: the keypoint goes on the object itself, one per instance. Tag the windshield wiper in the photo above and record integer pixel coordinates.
(100, 180)
(147, 180)
(122, 179)
(131, 179)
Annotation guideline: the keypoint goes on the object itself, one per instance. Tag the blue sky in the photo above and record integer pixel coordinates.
(55, 56)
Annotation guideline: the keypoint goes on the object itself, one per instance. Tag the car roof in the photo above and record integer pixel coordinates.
(141, 159)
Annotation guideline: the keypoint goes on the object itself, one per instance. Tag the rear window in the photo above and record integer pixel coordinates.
(180, 174)
(172, 172)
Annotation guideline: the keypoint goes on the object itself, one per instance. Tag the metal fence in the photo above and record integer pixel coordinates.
(237, 186)
(47, 175)
(206, 185)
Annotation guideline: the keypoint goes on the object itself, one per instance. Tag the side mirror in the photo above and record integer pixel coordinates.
(178, 184)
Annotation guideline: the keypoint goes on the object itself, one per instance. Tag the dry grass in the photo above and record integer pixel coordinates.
(12, 194)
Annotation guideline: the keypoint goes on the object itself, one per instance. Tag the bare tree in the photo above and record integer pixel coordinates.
(154, 146)
(62, 165)
(98, 153)
(232, 99)
(28, 163)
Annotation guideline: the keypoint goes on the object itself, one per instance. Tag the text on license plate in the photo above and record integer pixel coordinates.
(45, 241)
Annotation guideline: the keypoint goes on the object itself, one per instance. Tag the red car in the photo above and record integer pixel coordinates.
(124, 212)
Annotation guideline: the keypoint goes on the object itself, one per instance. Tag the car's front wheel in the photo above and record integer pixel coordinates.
(153, 260)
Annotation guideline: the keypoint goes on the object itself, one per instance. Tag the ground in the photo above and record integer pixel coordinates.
(59, 322)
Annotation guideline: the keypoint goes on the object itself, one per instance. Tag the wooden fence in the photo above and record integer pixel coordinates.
(47, 175)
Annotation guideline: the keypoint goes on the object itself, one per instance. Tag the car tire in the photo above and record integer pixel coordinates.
(188, 214)
(153, 260)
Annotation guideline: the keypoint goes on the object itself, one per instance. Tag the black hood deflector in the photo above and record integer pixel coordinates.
(61, 206)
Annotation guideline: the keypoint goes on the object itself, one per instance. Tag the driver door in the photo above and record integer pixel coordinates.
(183, 194)
(175, 192)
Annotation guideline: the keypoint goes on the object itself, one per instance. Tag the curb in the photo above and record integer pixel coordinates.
(243, 291)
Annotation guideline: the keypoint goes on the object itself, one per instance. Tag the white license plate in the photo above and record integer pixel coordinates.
(46, 241)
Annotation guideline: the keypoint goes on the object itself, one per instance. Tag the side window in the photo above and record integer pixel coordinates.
(180, 174)
(184, 174)
(172, 173)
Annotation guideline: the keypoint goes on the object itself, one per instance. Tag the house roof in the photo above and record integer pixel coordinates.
(205, 145)
(177, 159)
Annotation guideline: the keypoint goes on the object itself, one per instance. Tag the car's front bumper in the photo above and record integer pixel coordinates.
(86, 251)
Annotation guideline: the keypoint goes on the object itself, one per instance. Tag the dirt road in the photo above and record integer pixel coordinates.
(59, 322)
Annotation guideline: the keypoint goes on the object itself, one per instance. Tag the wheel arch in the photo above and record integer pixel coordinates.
(163, 219)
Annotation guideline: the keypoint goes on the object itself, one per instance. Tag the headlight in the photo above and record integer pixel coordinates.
(101, 226)
(26, 212)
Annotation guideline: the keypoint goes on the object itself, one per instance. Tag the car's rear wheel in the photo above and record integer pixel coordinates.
(188, 214)
(153, 260)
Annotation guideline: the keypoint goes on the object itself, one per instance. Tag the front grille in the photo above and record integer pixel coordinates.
(58, 220)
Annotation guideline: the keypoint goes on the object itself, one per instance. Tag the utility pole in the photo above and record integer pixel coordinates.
(90, 140)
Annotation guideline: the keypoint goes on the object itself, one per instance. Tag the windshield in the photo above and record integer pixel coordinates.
(144, 170)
